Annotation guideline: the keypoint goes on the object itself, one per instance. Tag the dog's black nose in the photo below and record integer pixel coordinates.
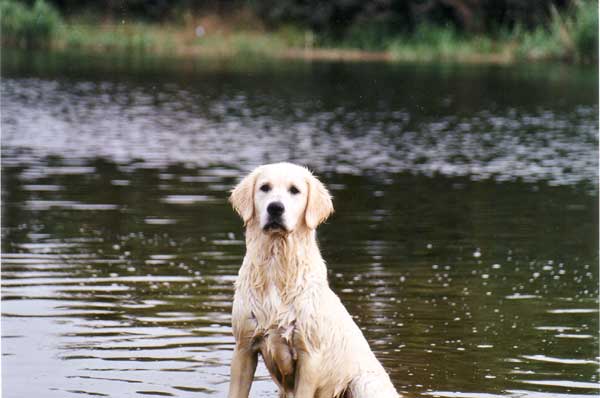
(275, 209)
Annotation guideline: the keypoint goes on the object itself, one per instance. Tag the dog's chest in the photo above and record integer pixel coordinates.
(272, 298)
(270, 310)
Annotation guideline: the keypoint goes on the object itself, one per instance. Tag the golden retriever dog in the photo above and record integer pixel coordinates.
(283, 307)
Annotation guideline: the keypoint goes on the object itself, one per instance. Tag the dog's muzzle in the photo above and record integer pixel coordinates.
(275, 221)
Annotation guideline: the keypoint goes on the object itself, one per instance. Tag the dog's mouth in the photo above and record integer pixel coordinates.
(274, 225)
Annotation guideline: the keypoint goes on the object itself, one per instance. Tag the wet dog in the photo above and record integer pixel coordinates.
(283, 307)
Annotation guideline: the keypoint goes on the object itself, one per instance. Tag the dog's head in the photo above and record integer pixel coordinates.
(281, 198)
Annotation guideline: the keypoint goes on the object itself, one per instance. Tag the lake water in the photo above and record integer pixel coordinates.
(465, 238)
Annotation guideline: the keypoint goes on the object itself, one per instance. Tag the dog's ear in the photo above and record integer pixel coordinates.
(242, 196)
(319, 205)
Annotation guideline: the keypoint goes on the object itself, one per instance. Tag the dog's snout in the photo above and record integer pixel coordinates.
(275, 209)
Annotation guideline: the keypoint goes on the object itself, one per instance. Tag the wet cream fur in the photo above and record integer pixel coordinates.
(283, 306)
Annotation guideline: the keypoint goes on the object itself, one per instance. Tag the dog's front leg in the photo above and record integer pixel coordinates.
(307, 373)
(243, 367)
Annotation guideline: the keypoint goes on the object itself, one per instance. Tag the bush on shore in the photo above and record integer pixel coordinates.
(571, 36)
(584, 30)
(27, 26)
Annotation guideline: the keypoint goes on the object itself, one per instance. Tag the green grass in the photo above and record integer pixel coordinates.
(430, 42)
(140, 37)
(136, 37)
(239, 43)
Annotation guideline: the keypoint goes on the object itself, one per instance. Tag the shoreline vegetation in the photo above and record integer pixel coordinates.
(570, 36)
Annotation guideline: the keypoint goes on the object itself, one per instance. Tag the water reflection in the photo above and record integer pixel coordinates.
(336, 117)
(120, 250)
(116, 303)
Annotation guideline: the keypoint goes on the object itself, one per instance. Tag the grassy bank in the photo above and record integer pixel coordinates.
(570, 36)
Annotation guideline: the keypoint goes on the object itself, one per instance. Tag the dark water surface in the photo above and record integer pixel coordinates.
(465, 238)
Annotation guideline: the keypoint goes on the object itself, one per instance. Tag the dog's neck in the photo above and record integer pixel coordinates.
(283, 260)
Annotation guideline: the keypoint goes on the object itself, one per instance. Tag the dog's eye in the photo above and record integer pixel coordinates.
(265, 187)
(294, 190)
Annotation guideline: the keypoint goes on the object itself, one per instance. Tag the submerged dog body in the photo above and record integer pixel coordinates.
(283, 307)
